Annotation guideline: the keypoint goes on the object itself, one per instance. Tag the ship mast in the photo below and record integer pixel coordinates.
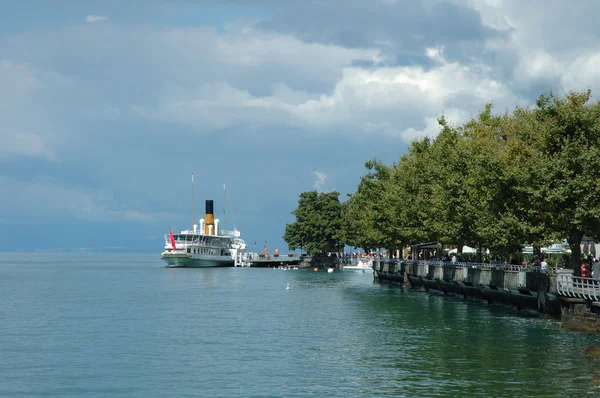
(224, 207)
(192, 201)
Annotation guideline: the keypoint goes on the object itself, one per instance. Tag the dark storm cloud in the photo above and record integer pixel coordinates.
(402, 29)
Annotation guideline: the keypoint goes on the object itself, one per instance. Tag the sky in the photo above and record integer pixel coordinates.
(107, 107)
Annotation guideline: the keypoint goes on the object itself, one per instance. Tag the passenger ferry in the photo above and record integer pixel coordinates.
(194, 249)
(206, 246)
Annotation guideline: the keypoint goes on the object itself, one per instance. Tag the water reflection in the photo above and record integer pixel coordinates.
(446, 344)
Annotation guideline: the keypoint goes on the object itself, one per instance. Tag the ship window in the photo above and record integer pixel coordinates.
(221, 252)
(188, 250)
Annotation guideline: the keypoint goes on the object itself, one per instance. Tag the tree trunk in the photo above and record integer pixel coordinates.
(575, 245)
(537, 250)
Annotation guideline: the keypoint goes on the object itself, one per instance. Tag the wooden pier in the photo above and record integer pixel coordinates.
(270, 261)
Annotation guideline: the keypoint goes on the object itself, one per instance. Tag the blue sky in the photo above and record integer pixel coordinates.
(107, 107)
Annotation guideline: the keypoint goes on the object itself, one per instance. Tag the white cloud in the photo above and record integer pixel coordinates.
(543, 47)
(256, 79)
(259, 80)
(435, 53)
(320, 180)
(95, 18)
(393, 101)
(29, 144)
(583, 73)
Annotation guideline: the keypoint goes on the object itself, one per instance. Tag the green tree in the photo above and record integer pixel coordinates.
(318, 223)
(411, 193)
(498, 181)
(499, 175)
(455, 207)
(330, 217)
(365, 219)
(567, 142)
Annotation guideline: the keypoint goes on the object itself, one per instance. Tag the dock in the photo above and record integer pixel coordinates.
(270, 261)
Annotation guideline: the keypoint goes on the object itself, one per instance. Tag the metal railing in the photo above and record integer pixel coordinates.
(225, 232)
(578, 287)
(495, 266)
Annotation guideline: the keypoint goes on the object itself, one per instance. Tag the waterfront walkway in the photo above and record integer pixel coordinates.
(574, 300)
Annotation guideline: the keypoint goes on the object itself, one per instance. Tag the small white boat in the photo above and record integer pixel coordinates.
(362, 265)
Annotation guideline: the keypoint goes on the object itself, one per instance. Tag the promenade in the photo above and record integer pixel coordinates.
(557, 293)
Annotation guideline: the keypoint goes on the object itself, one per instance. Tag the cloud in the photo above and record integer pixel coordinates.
(534, 56)
(94, 106)
(26, 120)
(27, 143)
(260, 80)
(390, 101)
(95, 18)
(320, 181)
(47, 198)
(407, 29)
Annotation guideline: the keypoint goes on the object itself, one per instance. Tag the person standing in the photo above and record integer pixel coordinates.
(596, 269)
(544, 265)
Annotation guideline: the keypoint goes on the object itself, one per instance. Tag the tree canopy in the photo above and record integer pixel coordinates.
(318, 225)
(498, 181)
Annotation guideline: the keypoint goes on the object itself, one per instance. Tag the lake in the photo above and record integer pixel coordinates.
(123, 325)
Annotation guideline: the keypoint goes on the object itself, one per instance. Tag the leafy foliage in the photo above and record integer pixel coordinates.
(498, 181)
(318, 223)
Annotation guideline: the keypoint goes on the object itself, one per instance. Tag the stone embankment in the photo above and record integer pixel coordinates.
(558, 294)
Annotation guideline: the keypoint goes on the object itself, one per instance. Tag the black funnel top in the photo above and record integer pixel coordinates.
(209, 207)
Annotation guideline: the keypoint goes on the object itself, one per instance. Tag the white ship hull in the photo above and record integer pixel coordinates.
(206, 246)
(193, 250)
(185, 260)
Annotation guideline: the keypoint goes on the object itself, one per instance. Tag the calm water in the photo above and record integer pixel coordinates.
(99, 325)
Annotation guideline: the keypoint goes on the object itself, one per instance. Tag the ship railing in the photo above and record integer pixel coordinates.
(184, 243)
(578, 287)
(225, 232)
